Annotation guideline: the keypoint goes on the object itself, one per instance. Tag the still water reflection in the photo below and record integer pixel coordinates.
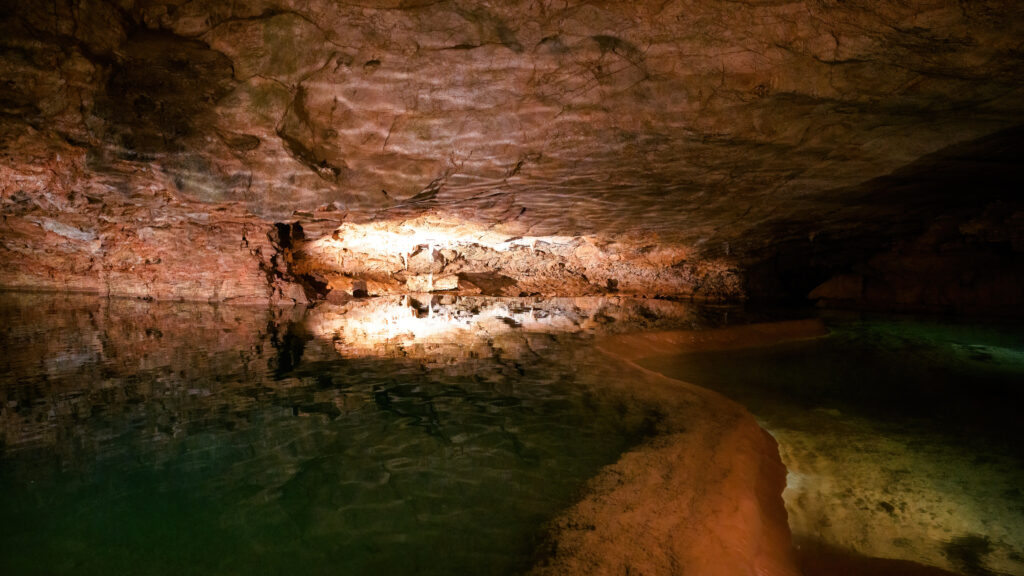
(438, 435)
(393, 436)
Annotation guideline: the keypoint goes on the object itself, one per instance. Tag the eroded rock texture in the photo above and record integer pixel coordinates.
(428, 254)
(735, 136)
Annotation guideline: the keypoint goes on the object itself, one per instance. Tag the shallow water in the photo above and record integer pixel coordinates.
(389, 437)
(902, 436)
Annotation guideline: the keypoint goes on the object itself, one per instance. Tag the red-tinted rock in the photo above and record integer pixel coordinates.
(693, 138)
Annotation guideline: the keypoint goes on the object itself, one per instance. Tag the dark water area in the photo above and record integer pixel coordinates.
(966, 379)
(902, 435)
(400, 437)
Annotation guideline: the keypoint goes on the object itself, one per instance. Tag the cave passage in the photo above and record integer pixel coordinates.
(377, 287)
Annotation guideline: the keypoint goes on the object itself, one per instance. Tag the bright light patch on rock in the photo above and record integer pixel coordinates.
(434, 252)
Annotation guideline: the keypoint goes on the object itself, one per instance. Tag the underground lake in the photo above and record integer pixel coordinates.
(466, 435)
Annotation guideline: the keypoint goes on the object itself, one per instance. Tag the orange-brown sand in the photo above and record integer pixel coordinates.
(702, 497)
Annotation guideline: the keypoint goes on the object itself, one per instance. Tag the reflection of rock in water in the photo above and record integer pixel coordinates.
(178, 369)
(260, 420)
(151, 363)
(433, 404)
(127, 364)
(289, 343)
(436, 328)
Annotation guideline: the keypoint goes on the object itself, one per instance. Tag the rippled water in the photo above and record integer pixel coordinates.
(903, 437)
(401, 437)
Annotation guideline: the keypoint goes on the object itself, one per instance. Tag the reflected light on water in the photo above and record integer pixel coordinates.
(165, 438)
(369, 326)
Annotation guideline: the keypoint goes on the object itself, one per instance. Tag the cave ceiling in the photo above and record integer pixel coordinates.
(715, 125)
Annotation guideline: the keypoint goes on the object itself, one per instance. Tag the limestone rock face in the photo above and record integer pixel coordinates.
(430, 283)
(953, 267)
(433, 252)
(61, 230)
(698, 126)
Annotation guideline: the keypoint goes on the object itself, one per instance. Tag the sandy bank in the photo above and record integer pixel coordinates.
(633, 347)
(704, 495)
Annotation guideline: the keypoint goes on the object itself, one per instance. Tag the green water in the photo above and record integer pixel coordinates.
(400, 436)
(902, 436)
(189, 439)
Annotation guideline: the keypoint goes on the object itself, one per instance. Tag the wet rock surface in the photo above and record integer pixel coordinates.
(727, 134)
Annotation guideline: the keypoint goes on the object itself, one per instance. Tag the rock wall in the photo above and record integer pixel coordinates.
(703, 128)
(437, 253)
(974, 267)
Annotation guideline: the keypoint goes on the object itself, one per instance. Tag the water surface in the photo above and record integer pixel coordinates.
(399, 436)
(902, 436)
(439, 435)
